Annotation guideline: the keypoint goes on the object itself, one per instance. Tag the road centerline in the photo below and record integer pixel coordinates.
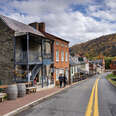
(96, 110)
(91, 102)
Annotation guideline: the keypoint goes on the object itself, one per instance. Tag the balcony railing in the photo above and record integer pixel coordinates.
(33, 57)
(47, 56)
(21, 57)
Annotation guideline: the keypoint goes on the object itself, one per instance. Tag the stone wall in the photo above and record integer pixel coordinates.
(6, 54)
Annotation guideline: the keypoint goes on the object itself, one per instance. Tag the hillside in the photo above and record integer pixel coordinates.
(104, 45)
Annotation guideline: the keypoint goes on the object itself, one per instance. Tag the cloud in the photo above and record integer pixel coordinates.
(62, 20)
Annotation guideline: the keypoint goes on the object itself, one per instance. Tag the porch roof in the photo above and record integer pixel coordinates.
(18, 27)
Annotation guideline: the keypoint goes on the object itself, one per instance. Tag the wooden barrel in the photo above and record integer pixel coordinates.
(12, 92)
(21, 89)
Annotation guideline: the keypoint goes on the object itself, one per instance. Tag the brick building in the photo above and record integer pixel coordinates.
(61, 52)
(113, 65)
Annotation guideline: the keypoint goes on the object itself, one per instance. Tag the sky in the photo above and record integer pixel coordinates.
(73, 20)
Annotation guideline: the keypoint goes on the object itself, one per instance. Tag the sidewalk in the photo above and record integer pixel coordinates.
(10, 105)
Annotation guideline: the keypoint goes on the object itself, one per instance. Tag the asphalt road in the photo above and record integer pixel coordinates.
(92, 97)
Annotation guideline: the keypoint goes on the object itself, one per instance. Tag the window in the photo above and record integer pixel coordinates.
(75, 69)
(62, 45)
(47, 48)
(114, 62)
(57, 74)
(66, 45)
(66, 57)
(57, 55)
(57, 43)
(72, 70)
(62, 56)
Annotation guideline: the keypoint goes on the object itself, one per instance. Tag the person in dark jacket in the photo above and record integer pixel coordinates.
(60, 80)
(65, 80)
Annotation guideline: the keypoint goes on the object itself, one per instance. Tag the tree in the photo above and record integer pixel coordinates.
(107, 63)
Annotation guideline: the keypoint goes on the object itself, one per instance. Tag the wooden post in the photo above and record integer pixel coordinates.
(14, 52)
(52, 51)
(28, 53)
(42, 51)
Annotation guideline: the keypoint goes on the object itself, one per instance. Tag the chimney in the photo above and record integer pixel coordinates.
(39, 26)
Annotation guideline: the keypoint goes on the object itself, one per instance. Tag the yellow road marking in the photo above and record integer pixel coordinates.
(89, 107)
(96, 110)
(91, 100)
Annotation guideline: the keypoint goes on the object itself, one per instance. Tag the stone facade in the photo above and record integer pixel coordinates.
(6, 54)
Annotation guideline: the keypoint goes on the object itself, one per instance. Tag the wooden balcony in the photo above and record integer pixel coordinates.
(34, 58)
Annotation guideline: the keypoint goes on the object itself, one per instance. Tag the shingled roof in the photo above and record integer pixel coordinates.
(19, 27)
(53, 37)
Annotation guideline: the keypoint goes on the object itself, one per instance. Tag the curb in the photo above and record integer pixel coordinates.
(111, 82)
(20, 109)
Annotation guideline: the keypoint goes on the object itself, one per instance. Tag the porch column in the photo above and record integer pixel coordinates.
(52, 53)
(14, 56)
(42, 53)
(28, 54)
(52, 50)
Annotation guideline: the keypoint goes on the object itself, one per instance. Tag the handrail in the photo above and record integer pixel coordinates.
(35, 70)
(47, 55)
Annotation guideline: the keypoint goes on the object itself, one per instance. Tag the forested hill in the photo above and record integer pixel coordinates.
(105, 45)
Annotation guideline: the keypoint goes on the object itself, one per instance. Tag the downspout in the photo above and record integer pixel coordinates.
(14, 56)
(27, 56)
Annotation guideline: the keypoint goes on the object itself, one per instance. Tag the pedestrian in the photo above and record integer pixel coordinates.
(60, 80)
(29, 76)
(35, 81)
(65, 80)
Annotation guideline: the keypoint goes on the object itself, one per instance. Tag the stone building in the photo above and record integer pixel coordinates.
(23, 49)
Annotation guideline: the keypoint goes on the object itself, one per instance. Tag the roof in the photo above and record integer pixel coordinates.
(48, 35)
(114, 60)
(19, 27)
(100, 62)
(72, 61)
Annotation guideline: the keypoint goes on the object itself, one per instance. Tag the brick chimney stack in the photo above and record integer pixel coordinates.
(39, 26)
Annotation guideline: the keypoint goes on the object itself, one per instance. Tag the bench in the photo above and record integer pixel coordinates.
(31, 90)
(28, 84)
(2, 96)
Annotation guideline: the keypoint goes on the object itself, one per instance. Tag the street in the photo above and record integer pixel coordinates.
(91, 97)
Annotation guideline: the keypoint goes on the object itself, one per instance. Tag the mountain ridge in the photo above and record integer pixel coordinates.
(104, 45)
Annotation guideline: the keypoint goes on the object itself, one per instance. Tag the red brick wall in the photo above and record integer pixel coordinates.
(113, 65)
(61, 64)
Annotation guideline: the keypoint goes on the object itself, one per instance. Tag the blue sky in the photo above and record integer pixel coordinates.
(74, 20)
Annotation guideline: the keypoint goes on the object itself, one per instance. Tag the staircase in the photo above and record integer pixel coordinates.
(35, 71)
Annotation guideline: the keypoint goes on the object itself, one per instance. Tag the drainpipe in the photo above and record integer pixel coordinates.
(42, 52)
(14, 55)
(28, 56)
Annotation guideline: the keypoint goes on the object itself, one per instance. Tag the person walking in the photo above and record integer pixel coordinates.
(29, 76)
(60, 80)
(65, 80)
